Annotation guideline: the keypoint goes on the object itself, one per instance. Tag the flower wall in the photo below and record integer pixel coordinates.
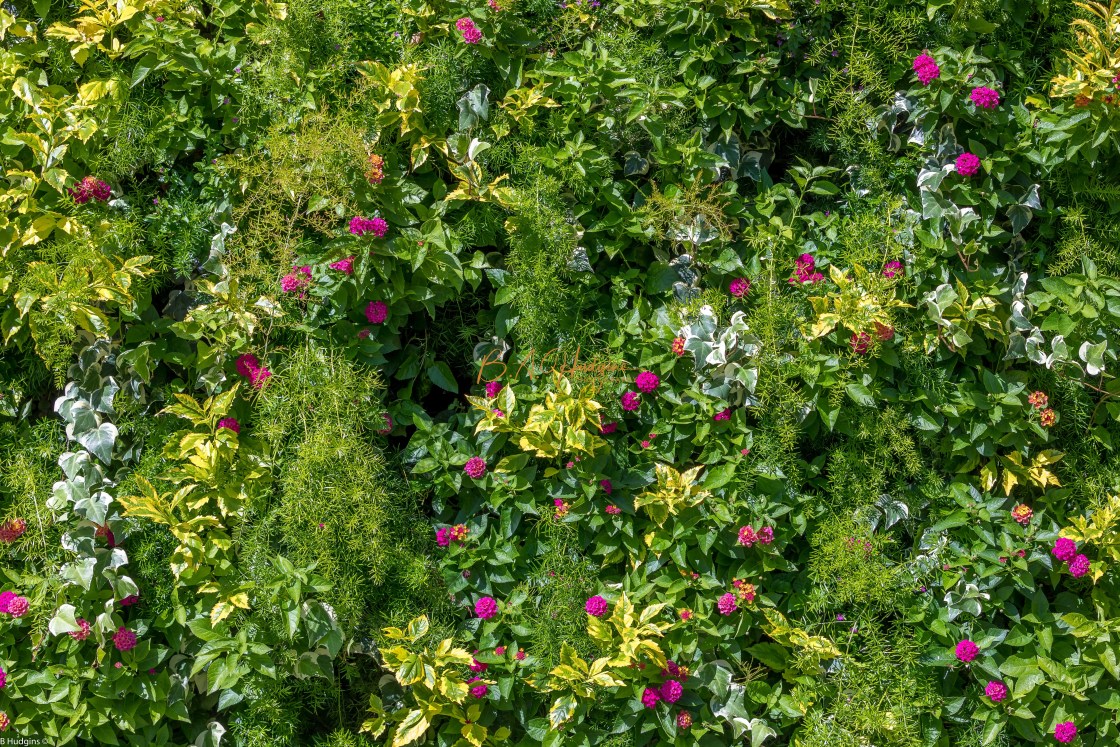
(602, 372)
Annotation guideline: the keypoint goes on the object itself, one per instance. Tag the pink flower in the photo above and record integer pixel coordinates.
(650, 698)
(443, 537)
(596, 606)
(230, 423)
(926, 68)
(17, 606)
(500, 651)
(472, 36)
(805, 269)
(1064, 549)
(475, 467)
(967, 164)
(1065, 732)
(479, 691)
(90, 188)
(739, 287)
(290, 283)
(464, 23)
(607, 487)
(631, 401)
(12, 529)
(3, 678)
(984, 97)
(647, 381)
(260, 377)
(766, 535)
(520, 655)
(967, 650)
(727, 604)
(607, 428)
(246, 364)
(485, 608)
(377, 312)
(724, 414)
(1079, 566)
(860, 343)
(671, 691)
(360, 226)
(130, 600)
(686, 615)
(478, 666)
(498, 413)
(892, 268)
(344, 265)
(684, 720)
(613, 510)
(82, 632)
(363, 334)
(493, 388)
(997, 691)
(646, 444)
(747, 537)
(124, 639)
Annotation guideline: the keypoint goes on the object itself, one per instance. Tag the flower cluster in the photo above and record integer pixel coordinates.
(596, 606)
(446, 535)
(377, 312)
(984, 97)
(1038, 400)
(678, 345)
(12, 529)
(360, 226)
(967, 164)
(926, 68)
(561, 508)
(250, 367)
(296, 280)
(485, 608)
(344, 265)
(90, 188)
(727, 604)
(997, 691)
(745, 591)
(805, 269)
(892, 268)
(739, 287)
(630, 401)
(861, 343)
(748, 536)
(493, 388)
(1022, 514)
(13, 604)
(231, 424)
(724, 414)
(82, 632)
(647, 381)
(967, 651)
(471, 33)
(375, 169)
(124, 639)
(1065, 732)
(475, 467)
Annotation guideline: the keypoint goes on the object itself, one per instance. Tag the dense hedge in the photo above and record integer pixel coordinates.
(603, 372)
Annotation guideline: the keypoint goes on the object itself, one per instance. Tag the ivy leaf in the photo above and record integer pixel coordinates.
(99, 441)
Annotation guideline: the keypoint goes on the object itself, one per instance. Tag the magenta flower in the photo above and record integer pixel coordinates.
(130, 600)
(984, 97)
(377, 312)
(344, 265)
(684, 720)
(596, 606)
(18, 606)
(479, 691)
(997, 691)
(607, 428)
(1065, 732)
(739, 287)
(443, 537)
(485, 608)
(246, 364)
(860, 343)
(607, 487)
(766, 535)
(478, 666)
(892, 268)
(671, 691)
(464, 23)
(727, 604)
(124, 639)
(724, 414)
(631, 401)
(3, 678)
(82, 632)
(475, 467)
(967, 164)
(926, 68)
(1079, 566)
(805, 269)
(472, 36)
(747, 537)
(647, 381)
(613, 510)
(6, 598)
(230, 423)
(650, 698)
(1064, 549)
(260, 377)
(493, 388)
(967, 650)
(90, 188)
(290, 283)
(360, 226)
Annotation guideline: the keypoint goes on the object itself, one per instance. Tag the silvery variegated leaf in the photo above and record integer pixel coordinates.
(578, 262)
